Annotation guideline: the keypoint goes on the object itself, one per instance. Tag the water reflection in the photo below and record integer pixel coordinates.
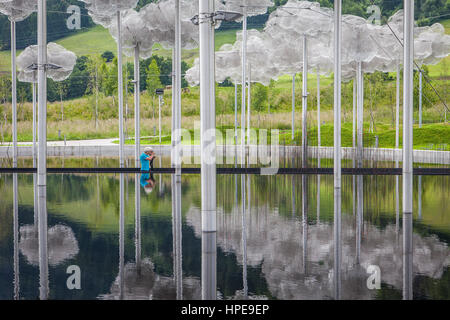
(260, 249)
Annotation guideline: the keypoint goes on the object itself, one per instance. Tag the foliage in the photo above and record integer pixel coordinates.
(108, 56)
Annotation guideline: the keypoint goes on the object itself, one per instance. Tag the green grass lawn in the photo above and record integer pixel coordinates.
(432, 136)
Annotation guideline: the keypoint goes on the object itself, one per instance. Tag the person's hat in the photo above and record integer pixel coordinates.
(148, 149)
(148, 189)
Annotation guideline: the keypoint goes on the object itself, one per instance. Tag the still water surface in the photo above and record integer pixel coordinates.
(280, 248)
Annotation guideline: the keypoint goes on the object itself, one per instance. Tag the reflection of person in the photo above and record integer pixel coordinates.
(147, 159)
(147, 182)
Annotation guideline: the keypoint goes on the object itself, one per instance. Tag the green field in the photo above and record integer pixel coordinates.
(96, 40)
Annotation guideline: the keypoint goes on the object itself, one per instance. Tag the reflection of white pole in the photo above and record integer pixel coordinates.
(16, 236)
(318, 198)
(305, 220)
(137, 205)
(43, 242)
(120, 90)
(419, 200)
(121, 235)
(337, 147)
(305, 104)
(293, 109)
(359, 215)
(137, 107)
(176, 234)
(244, 77)
(208, 153)
(360, 113)
(408, 101)
(244, 239)
(14, 92)
(420, 98)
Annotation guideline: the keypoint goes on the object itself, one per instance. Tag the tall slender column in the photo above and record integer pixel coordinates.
(319, 142)
(208, 153)
(176, 133)
(408, 86)
(337, 147)
(120, 91)
(14, 91)
(244, 77)
(249, 102)
(360, 113)
(293, 109)
(137, 107)
(420, 98)
(397, 109)
(34, 153)
(42, 149)
(305, 104)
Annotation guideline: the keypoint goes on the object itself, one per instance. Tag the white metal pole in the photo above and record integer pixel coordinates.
(14, 91)
(176, 134)
(360, 113)
(137, 107)
(355, 93)
(208, 154)
(159, 117)
(42, 93)
(408, 101)
(397, 110)
(120, 91)
(337, 146)
(318, 111)
(34, 124)
(42, 151)
(305, 104)
(244, 77)
(293, 109)
(420, 98)
(235, 114)
(249, 101)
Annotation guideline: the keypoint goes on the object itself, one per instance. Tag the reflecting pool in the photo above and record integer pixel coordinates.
(274, 239)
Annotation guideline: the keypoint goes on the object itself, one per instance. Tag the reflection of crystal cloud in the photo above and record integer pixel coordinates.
(62, 244)
(57, 55)
(18, 10)
(276, 243)
(149, 285)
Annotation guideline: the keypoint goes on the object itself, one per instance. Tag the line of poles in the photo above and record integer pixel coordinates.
(208, 143)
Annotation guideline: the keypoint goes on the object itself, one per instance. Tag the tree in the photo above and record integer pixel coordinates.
(259, 94)
(153, 81)
(108, 56)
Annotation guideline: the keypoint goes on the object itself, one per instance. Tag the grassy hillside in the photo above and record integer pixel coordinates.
(96, 40)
